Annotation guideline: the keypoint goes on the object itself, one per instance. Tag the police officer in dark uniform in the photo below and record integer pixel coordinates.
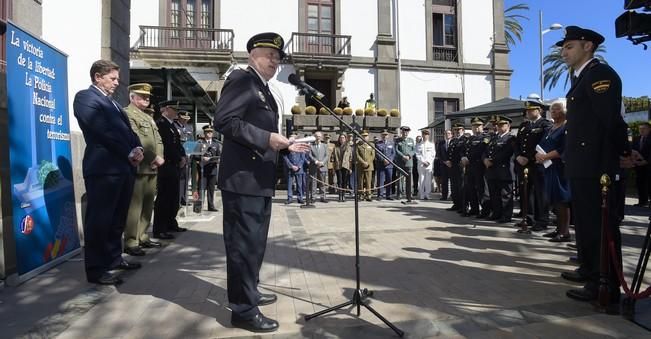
(497, 160)
(166, 205)
(475, 184)
(532, 129)
(491, 196)
(454, 166)
(596, 144)
(247, 117)
(209, 161)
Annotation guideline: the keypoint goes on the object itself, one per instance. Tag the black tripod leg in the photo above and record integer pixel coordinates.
(388, 323)
(328, 310)
(629, 303)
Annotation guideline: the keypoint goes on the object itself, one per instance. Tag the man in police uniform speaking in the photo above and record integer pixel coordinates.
(247, 117)
(596, 143)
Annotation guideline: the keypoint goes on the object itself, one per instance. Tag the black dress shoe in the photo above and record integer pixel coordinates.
(267, 299)
(504, 220)
(106, 279)
(163, 235)
(259, 323)
(389, 198)
(212, 209)
(125, 265)
(453, 208)
(178, 229)
(551, 234)
(134, 251)
(571, 245)
(150, 244)
(574, 276)
(582, 294)
(538, 228)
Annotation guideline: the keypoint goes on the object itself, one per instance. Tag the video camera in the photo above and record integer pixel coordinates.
(634, 25)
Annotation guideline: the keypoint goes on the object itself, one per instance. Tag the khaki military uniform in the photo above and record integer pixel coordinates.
(365, 158)
(144, 188)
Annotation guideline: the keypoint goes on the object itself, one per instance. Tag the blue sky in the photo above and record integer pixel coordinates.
(632, 63)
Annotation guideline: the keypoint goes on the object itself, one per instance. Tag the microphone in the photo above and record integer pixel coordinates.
(305, 88)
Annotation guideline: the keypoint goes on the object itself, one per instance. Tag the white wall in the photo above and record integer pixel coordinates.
(414, 87)
(143, 12)
(357, 85)
(477, 31)
(413, 30)
(359, 19)
(83, 46)
(284, 92)
(478, 90)
(249, 17)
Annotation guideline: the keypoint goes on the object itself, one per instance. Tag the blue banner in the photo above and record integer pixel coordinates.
(43, 197)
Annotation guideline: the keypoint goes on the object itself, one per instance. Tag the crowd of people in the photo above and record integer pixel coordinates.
(135, 167)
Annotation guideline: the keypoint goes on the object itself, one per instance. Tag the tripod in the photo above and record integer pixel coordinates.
(359, 296)
(628, 305)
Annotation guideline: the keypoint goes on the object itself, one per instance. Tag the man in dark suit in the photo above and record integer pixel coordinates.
(247, 117)
(642, 154)
(169, 174)
(443, 156)
(596, 144)
(109, 167)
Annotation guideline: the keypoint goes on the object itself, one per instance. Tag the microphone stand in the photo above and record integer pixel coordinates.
(359, 296)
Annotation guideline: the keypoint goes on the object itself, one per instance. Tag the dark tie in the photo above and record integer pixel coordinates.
(574, 80)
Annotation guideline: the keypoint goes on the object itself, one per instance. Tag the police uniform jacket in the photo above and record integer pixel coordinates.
(147, 131)
(457, 149)
(246, 115)
(596, 134)
(477, 145)
(406, 147)
(387, 148)
(172, 148)
(107, 132)
(212, 150)
(529, 135)
(500, 152)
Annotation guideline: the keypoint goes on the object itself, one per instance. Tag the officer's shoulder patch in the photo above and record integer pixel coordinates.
(601, 86)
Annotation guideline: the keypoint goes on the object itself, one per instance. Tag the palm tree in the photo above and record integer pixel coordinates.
(557, 69)
(512, 27)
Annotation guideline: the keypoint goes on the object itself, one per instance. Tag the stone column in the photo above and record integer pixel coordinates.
(387, 64)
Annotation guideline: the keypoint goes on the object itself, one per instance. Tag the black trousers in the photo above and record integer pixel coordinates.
(456, 185)
(586, 206)
(246, 225)
(166, 205)
(211, 183)
(475, 187)
(445, 178)
(505, 188)
(495, 198)
(108, 197)
(537, 203)
(642, 184)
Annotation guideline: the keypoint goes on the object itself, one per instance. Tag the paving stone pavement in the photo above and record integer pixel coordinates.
(433, 273)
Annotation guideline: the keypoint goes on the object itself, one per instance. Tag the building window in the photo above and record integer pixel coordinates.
(443, 106)
(444, 30)
(320, 20)
(191, 13)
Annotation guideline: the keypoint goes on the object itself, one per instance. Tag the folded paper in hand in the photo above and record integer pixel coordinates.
(305, 140)
(546, 163)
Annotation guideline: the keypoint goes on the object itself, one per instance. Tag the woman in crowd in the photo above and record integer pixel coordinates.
(342, 164)
(557, 188)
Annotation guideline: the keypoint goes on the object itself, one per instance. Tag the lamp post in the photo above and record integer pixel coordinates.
(553, 27)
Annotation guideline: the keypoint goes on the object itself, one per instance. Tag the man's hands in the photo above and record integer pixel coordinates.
(294, 168)
(488, 163)
(135, 156)
(522, 160)
(448, 163)
(157, 162)
(183, 162)
(278, 142)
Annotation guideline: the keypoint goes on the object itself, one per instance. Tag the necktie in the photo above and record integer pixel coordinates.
(573, 80)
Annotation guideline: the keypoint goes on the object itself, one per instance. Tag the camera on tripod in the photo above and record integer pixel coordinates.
(634, 25)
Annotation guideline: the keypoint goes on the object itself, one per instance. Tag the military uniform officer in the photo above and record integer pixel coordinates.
(167, 200)
(490, 195)
(144, 188)
(596, 144)
(247, 117)
(533, 128)
(405, 152)
(497, 160)
(384, 168)
(365, 158)
(209, 163)
(454, 165)
(475, 183)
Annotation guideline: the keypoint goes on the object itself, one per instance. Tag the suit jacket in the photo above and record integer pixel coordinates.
(596, 134)
(295, 159)
(318, 153)
(500, 152)
(173, 149)
(107, 132)
(644, 149)
(246, 115)
(442, 151)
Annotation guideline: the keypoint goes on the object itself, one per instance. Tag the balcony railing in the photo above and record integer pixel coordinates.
(441, 53)
(319, 44)
(185, 38)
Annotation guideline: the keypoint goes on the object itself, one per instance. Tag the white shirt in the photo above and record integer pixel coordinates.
(426, 153)
(580, 69)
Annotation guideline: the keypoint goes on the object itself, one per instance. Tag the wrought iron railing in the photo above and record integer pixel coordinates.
(319, 44)
(185, 38)
(441, 53)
